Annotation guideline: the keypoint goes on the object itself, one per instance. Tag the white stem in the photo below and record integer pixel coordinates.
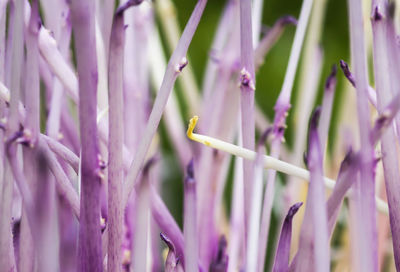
(269, 162)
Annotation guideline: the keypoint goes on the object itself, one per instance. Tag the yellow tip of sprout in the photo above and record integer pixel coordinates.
(192, 124)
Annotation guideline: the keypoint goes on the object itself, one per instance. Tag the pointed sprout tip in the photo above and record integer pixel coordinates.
(192, 124)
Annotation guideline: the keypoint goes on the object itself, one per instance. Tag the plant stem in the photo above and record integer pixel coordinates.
(89, 248)
(175, 65)
(365, 204)
(269, 161)
(190, 221)
(384, 96)
(247, 87)
(115, 142)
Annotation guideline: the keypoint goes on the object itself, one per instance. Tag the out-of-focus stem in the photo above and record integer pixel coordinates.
(326, 110)
(167, 15)
(365, 239)
(247, 87)
(175, 65)
(270, 39)
(140, 245)
(15, 52)
(89, 248)
(167, 223)
(63, 184)
(384, 96)
(171, 116)
(221, 38)
(257, 20)
(236, 222)
(190, 221)
(256, 203)
(316, 199)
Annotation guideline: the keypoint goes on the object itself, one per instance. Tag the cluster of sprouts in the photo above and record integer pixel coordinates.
(85, 88)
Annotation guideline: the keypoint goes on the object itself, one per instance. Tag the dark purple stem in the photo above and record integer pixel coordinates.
(281, 263)
(89, 248)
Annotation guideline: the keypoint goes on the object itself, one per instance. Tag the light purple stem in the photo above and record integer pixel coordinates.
(313, 249)
(346, 178)
(366, 240)
(247, 87)
(327, 102)
(142, 203)
(384, 97)
(175, 66)
(167, 223)
(281, 263)
(190, 221)
(271, 38)
(89, 248)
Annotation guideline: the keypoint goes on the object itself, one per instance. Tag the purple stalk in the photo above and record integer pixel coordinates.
(15, 51)
(57, 64)
(63, 26)
(171, 116)
(221, 38)
(63, 184)
(167, 223)
(115, 141)
(236, 238)
(316, 197)
(63, 152)
(175, 66)
(190, 221)
(366, 211)
(220, 263)
(220, 113)
(327, 102)
(393, 56)
(3, 11)
(281, 263)
(26, 258)
(89, 248)
(384, 97)
(271, 38)
(313, 249)
(256, 202)
(346, 71)
(247, 87)
(46, 232)
(346, 178)
(281, 111)
(172, 259)
(136, 66)
(142, 204)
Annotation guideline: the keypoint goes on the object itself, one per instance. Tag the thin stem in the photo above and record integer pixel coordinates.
(384, 95)
(140, 245)
(190, 221)
(166, 12)
(366, 221)
(247, 87)
(175, 65)
(256, 203)
(269, 161)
